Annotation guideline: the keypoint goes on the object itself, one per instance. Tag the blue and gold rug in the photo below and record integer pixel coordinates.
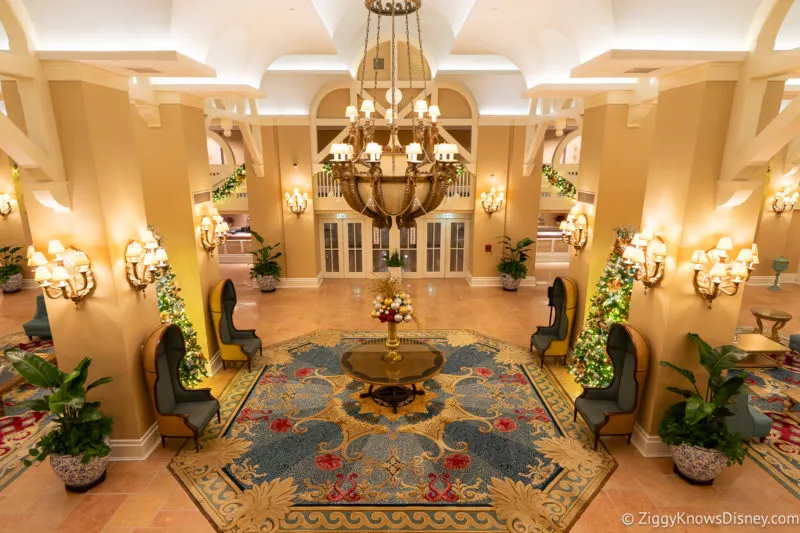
(490, 446)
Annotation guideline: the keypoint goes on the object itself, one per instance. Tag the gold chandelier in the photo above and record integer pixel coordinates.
(430, 163)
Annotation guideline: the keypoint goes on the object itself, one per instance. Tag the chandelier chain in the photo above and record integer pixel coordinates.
(408, 51)
(377, 51)
(393, 130)
(422, 59)
(366, 51)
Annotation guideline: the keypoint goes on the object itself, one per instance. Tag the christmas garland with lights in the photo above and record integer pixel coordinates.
(610, 304)
(561, 184)
(225, 189)
(172, 310)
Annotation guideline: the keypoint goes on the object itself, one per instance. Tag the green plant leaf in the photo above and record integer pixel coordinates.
(98, 382)
(697, 409)
(688, 374)
(728, 388)
(37, 404)
(34, 369)
(683, 392)
(707, 356)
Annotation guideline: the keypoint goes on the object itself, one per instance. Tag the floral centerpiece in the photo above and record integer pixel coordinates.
(392, 306)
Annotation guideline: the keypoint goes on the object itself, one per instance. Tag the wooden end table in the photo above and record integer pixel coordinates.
(392, 384)
(756, 345)
(770, 314)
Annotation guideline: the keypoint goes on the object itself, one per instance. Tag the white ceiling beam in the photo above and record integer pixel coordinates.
(777, 134)
(534, 140)
(783, 63)
(16, 65)
(766, 24)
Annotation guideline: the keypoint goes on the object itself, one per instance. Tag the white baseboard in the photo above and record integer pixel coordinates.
(760, 281)
(530, 281)
(300, 283)
(136, 449)
(552, 257)
(215, 363)
(649, 445)
(29, 284)
(236, 258)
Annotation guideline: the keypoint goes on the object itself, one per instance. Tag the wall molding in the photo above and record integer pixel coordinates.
(649, 445)
(215, 363)
(530, 281)
(136, 449)
(762, 281)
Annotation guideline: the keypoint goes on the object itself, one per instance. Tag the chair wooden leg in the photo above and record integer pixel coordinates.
(762, 439)
(218, 418)
(248, 364)
(629, 438)
(596, 439)
(530, 349)
(163, 441)
(197, 443)
(574, 415)
(30, 338)
(223, 363)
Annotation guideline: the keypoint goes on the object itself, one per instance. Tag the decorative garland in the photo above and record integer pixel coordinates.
(172, 310)
(562, 185)
(229, 186)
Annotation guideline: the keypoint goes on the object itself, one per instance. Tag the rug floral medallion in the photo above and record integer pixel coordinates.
(490, 446)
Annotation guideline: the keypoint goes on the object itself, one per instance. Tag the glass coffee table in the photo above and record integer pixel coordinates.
(392, 384)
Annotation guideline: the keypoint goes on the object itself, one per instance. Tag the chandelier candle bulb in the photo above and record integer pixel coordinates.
(420, 108)
(367, 107)
(352, 113)
(434, 112)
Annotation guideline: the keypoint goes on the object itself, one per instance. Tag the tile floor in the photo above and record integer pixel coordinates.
(143, 497)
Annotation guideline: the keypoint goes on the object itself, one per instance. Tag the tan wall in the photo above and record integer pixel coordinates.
(614, 160)
(689, 138)
(174, 165)
(523, 195)
(14, 229)
(283, 148)
(334, 104)
(94, 126)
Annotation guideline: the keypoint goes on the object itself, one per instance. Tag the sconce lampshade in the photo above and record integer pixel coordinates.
(42, 274)
(60, 274)
(718, 270)
(55, 247)
(725, 243)
(658, 248)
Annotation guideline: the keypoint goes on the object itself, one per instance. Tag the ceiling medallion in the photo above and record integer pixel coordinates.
(388, 8)
(430, 162)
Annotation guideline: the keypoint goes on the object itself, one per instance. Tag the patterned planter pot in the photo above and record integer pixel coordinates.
(79, 477)
(698, 465)
(266, 283)
(509, 283)
(13, 283)
(395, 272)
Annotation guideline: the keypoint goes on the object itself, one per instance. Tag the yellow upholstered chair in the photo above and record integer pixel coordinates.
(553, 340)
(234, 344)
(179, 412)
(612, 410)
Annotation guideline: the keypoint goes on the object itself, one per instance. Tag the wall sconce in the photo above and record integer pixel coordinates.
(5, 205)
(297, 202)
(574, 229)
(645, 256)
(782, 201)
(69, 276)
(493, 201)
(213, 231)
(145, 260)
(715, 273)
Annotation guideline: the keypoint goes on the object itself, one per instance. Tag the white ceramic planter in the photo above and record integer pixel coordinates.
(509, 283)
(266, 283)
(698, 465)
(79, 477)
(395, 272)
(13, 283)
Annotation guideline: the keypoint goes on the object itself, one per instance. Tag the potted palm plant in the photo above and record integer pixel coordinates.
(265, 270)
(10, 269)
(395, 265)
(701, 443)
(512, 266)
(78, 447)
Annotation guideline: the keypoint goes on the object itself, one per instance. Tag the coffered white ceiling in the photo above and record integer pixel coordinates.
(498, 48)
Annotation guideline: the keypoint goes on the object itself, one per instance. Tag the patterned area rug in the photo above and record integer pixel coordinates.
(18, 429)
(779, 454)
(490, 446)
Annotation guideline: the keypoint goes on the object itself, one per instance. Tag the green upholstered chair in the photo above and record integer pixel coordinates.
(553, 340)
(180, 412)
(234, 344)
(612, 410)
(39, 325)
(746, 420)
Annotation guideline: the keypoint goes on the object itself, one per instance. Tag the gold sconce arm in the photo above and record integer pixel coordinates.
(68, 276)
(646, 257)
(574, 230)
(716, 274)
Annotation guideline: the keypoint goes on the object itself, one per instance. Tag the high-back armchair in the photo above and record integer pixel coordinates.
(39, 325)
(180, 412)
(612, 410)
(234, 344)
(553, 340)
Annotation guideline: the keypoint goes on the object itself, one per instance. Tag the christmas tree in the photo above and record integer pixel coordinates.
(173, 311)
(610, 304)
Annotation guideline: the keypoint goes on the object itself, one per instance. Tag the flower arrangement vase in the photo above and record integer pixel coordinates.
(392, 344)
(395, 272)
(12, 284)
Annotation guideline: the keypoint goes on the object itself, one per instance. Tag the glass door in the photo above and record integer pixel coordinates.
(433, 248)
(380, 249)
(355, 249)
(456, 248)
(408, 251)
(331, 250)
